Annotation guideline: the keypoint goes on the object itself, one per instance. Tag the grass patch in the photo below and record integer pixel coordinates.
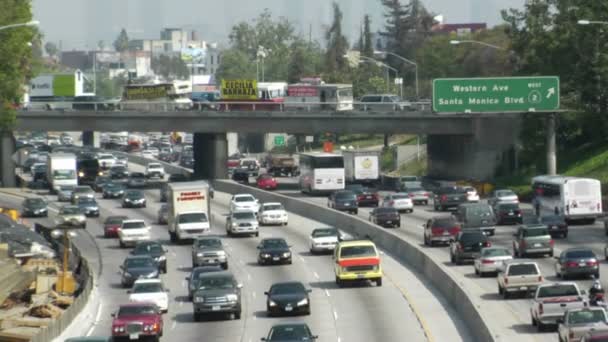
(414, 167)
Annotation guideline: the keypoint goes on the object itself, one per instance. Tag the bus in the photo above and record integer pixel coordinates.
(157, 96)
(577, 199)
(321, 172)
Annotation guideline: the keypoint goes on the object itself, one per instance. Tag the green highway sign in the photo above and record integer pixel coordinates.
(279, 140)
(493, 95)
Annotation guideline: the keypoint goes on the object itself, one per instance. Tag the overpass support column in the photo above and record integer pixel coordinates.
(551, 150)
(210, 155)
(7, 149)
(88, 138)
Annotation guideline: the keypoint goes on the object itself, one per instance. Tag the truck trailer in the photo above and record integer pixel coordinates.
(189, 207)
(361, 167)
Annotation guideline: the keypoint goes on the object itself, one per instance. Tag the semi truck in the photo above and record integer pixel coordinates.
(279, 165)
(61, 170)
(189, 207)
(361, 167)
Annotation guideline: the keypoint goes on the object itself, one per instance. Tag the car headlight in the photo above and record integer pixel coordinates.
(153, 275)
(235, 225)
(127, 200)
(81, 174)
(272, 303)
(232, 297)
(265, 255)
(303, 302)
(162, 258)
(200, 255)
(286, 255)
(199, 299)
(128, 275)
(119, 329)
(221, 253)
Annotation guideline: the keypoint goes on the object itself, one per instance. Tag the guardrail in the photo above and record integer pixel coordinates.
(229, 106)
(58, 325)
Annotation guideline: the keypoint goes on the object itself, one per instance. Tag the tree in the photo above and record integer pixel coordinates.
(170, 67)
(51, 49)
(235, 64)
(122, 41)
(305, 60)
(367, 47)
(15, 64)
(337, 46)
(101, 45)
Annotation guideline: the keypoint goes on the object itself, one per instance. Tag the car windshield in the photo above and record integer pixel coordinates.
(383, 211)
(553, 219)
(505, 193)
(559, 290)
(244, 215)
(155, 166)
(119, 169)
(357, 251)
(193, 218)
(580, 254)
(479, 211)
(274, 243)
(34, 201)
(115, 219)
(452, 190)
(197, 272)
(287, 288)
(509, 206)
(586, 317)
(134, 194)
(105, 157)
(82, 189)
(64, 174)
(325, 232)
(495, 252)
(273, 207)
(444, 223)
(66, 188)
(147, 288)
(137, 310)
(133, 225)
(145, 249)
(86, 201)
(471, 238)
(345, 195)
(401, 196)
(113, 186)
(244, 199)
(209, 243)
(208, 283)
(289, 333)
(522, 269)
(140, 262)
(535, 232)
(70, 211)
(100, 180)
(137, 175)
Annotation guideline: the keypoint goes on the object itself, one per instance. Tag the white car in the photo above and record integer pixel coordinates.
(324, 240)
(106, 160)
(147, 154)
(491, 259)
(272, 213)
(244, 202)
(472, 195)
(242, 222)
(132, 231)
(155, 170)
(122, 161)
(155, 151)
(400, 201)
(150, 291)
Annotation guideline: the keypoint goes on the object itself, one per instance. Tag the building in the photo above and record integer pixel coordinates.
(460, 29)
(138, 63)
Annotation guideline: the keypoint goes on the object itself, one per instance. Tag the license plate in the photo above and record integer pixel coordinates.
(456, 198)
(360, 276)
(368, 197)
(554, 227)
(389, 221)
(288, 308)
(275, 258)
(215, 308)
(134, 336)
(511, 214)
(446, 233)
(347, 204)
(581, 264)
(538, 245)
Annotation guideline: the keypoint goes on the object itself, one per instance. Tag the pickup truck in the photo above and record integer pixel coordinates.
(518, 277)
(551, 301)
(449, 197)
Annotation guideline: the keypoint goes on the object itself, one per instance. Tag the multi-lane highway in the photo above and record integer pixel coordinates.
(403, 308)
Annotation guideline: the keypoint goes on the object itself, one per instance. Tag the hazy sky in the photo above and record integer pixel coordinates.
(79, 24)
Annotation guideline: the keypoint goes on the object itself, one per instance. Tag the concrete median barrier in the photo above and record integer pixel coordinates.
(407, 252)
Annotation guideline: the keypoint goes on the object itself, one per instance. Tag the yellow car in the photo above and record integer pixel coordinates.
(357, 260)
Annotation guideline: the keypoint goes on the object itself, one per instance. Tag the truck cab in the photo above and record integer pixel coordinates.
(551, 301)
(357, 260)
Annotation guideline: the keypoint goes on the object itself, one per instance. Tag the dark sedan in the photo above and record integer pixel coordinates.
(240, 176)
(288, 332)
(579, 262)
(136, 180)
(113, 190)
(111, 225)
(89, 206)
(134, 199)
(119, 172)
(187, 162)
(155, 250)
(34, 207)
(194, 275)
(100, 182)
(274, 251)
(556, 225)
(287, 298)
(136, 267)
(385, 217)
(507, 213)
(343, 200)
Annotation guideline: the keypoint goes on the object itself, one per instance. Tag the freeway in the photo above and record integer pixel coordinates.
(517, 323)
(351, 314)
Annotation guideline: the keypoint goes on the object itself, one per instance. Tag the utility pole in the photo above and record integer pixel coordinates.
(551, 149)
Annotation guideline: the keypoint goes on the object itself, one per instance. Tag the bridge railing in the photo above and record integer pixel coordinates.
(228, 106)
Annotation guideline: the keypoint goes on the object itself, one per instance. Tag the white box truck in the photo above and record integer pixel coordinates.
(61, 170)
(189, 207)
(361, 166)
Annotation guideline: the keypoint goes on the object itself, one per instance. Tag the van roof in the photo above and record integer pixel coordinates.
(188, 185)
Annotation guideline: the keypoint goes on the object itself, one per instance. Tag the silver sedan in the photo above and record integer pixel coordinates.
(491, 259)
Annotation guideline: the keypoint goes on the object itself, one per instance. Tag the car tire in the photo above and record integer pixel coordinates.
(197, 317)
(257, 234)
(237, 315)
(533, 321)
(505, 294)
(540, 326)
(225, 265)
(476, 271)
(565, 235)
(500, 290)
(164, 269)
(172, 237)
(597, 275)
(379, 282)
(121, 244)
(339, 282)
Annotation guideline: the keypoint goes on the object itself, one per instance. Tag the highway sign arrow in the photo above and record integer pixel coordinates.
(550, 93)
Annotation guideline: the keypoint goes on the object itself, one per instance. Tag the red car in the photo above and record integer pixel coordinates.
(440, 230)
(137, 321)
(267, 182)
(111, 226)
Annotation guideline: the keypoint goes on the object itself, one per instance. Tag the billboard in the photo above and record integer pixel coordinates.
(302, 91)
(193, 55)
(146, 92)
(56, 85)
(41, 86)
(64, 85)
(239, 89)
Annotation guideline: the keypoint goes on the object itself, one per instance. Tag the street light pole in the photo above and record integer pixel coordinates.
(458, 42)
(29, 23)
(408, 62)
(597, 57)
(388, 67)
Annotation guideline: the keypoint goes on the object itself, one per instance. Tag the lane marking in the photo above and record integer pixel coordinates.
(253, 294)
(316, 275)
(327, 293)
(181, 303)
(184, 283)
(248, 276)
(335, 315)
(301, 258)
(173, 325)
(339, 339)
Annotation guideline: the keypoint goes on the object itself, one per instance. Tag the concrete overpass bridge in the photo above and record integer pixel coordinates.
(460, 146)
